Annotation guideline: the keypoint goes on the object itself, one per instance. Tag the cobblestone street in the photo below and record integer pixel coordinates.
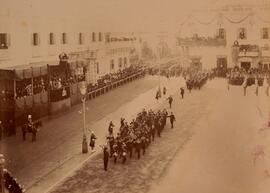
(138, 175)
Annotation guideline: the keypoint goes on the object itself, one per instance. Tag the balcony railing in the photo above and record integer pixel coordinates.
(201, 41)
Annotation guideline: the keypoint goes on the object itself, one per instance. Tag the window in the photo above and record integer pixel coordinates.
(100, 36)
(120, 62)
(81, 38)
(221, 33)
(4, 41)
(93, 36)
(107, 38)
(97, 67)
(112, 65)
(265, 33)
(35, 39)
(64, 38)
(51, 39)
(242, 34)
(125, 61)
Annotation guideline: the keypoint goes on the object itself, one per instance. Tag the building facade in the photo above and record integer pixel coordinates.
(31, 41)
(227, 34)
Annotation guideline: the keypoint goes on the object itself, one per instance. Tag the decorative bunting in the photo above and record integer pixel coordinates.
(189, 20)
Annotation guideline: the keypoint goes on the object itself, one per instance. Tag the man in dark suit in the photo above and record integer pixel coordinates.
(1, 130)
(172, 119)
(170, 99)
(105, 157)
(182, 92)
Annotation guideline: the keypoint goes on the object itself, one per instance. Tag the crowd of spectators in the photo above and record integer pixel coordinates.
(58, 81)
(25, 87)
(11, 184)
(111, 78)
(237, 76)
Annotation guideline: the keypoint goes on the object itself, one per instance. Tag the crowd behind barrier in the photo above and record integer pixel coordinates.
(42, 83)
(111, 78)
(30, 99)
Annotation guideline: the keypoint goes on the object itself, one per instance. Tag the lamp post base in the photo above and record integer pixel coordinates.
(84, 145)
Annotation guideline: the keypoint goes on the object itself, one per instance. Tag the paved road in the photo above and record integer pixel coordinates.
(58, 150)
(137, 176)
(229, 151)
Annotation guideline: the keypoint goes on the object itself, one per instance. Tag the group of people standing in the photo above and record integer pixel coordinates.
(136, 136)
(196, 81)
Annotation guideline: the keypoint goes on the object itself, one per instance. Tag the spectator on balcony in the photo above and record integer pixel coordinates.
(1, 130)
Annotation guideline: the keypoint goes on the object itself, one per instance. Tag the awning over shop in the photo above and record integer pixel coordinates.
(8, 75)
(248, 54)
(265, 60)
(245, 59)
(266, 53)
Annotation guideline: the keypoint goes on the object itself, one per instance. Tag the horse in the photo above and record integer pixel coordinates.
(31, 129)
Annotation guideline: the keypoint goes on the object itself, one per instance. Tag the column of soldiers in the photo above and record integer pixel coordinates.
(196, 81)
(136, 136)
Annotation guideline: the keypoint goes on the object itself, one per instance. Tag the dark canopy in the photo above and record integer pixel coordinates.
(8, 75)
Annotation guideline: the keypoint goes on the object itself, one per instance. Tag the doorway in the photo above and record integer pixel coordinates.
(246, 65)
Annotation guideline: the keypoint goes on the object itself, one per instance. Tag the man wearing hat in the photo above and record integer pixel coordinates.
(1, 130)
(172, 119)
(170, 99)
(32, 127)
(105, 157)
(30, 122)
(92, 141)
(182, 92)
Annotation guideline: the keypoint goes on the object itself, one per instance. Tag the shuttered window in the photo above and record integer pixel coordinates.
(265, 33)
(4, 40)
(35, 39)
(51, 39)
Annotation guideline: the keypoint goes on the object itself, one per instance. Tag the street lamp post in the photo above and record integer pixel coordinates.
(159, 77)
(2, 162)
(83, 91)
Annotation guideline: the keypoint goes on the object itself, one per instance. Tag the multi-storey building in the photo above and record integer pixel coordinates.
(227, 34)
(33, 40)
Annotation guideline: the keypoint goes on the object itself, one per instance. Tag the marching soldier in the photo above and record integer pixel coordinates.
(172, 119)
(31, 128)
(170, 99)
(1, 130)
(138, 147)
(164, 90)
(257, 86)
(34, 134)
(105, 157)
(111, 126)
(92, 141)
(124, 154)
(182, 92)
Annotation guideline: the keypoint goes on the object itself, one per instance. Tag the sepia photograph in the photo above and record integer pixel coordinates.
(134, 96)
